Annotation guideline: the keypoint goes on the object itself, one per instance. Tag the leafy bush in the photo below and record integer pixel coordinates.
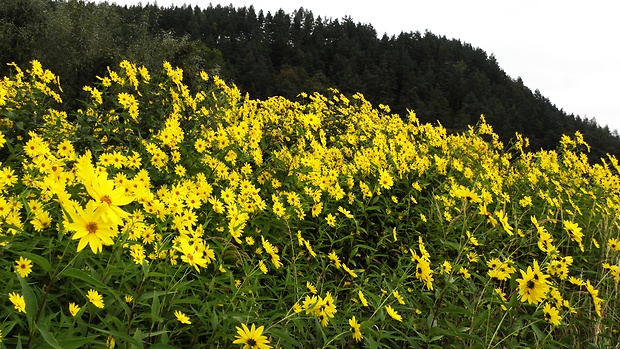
(159, 217)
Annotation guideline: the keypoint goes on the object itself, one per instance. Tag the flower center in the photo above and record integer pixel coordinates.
(106, 199)
(91, 227)
(251, 342)
(530, 284)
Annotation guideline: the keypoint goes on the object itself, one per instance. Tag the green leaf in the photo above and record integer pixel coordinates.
(47, 336)
(436, 338)
(153, 294)
(284, 336)
(138, 336)
(75, 343)
(155, 308)
(539, 334)
(163, 339)
(38, 260)
(123, 336)
(30, 299)
(372, 344)
(153, 274)
(78, 274)
(422, 336)
(162, 346)
(214, 320)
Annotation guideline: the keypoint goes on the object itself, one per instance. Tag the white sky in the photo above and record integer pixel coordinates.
(566, 49)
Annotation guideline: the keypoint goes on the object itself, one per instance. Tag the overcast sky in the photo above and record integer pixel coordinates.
(566, 49)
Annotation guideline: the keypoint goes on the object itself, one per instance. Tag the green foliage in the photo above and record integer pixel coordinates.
(159, 216)
(78, 40)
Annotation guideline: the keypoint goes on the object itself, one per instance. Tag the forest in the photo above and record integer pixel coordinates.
(283, 54)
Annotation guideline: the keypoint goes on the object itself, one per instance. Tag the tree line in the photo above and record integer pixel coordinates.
(267, 54)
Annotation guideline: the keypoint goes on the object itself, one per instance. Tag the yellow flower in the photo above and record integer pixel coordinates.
(446, 268)
(331, 220)
(130, 103)
(310, 303)
(311, 287)
(423, 217)
(95, 298)
(465, 193)
(574, 232)
(322, 308)
(498, 274)
(472, 257)
(108, 198)
(533, 285)
(74, 309)
(180, 170)
(576, 281)
(328, 309)
(362, 298)
(193, 254)
(499, 270)
(90, 228)
(614, 271)
(316, 209)
(184, 319)
(262, 267)
(472, 239)
(424, 272)
(392, 313)
(501, 294)
(345, 212)
(334, 258)
(551, 314)
(504, 221)
(251, 338)
(350, 271)
(309, 248)
(356, 329)
(398, 297)
(18, 301)
(385, 179)
(463, 271)
(24, 266)
(595, 298)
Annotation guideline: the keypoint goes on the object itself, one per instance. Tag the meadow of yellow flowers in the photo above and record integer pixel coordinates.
(164, 216)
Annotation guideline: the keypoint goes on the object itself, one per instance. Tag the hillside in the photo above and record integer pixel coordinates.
(163, 218)
(442, 80)
(158, 205)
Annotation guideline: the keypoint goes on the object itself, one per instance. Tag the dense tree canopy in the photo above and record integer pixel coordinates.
(268, 54)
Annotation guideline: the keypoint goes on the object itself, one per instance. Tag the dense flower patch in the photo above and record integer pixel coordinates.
(158, 217)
